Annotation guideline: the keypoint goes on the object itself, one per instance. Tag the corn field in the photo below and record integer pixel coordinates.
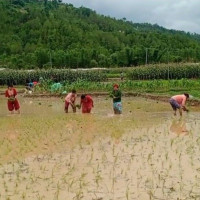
(22, 76)
(165, 72)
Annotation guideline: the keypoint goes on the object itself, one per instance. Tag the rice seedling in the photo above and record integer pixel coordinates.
(141, 160)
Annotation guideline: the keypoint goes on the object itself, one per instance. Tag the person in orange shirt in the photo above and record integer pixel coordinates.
(13, 103)
(70, 99)
(178, 102)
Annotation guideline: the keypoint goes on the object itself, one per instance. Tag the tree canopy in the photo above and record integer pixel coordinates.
(43, 34)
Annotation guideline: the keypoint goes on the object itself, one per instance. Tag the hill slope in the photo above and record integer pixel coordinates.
(37, 33)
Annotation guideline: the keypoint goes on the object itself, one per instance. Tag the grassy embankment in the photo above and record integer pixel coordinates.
(156, 87)
(154, 79)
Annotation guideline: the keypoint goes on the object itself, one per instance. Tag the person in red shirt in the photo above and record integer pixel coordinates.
(13, 103)
(86, 103)
(35, 83)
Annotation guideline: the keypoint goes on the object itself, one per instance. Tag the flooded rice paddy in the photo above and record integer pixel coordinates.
(144, 154)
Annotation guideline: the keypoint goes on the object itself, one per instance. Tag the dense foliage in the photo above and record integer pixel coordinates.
(43, 34)
(165, 72)
(21, 77)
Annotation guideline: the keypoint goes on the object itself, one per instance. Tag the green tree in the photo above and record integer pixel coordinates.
(42, 57)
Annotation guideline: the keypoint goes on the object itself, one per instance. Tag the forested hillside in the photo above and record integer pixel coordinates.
(42, 34)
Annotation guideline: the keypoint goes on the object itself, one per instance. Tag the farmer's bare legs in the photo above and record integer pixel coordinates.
(73, 107)
(180, 111)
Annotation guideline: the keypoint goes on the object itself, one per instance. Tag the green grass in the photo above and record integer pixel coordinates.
(113, 75)
(158, 87)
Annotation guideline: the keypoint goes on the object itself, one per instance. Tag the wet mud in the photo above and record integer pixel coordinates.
(145, 153)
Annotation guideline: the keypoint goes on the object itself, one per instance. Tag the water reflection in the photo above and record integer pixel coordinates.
(178, 127)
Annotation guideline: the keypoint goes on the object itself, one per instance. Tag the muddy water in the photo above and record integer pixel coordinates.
(146, 153)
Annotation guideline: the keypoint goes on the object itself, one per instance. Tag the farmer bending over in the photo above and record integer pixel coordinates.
(70, 100)
(86, 103)
(178, 102)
